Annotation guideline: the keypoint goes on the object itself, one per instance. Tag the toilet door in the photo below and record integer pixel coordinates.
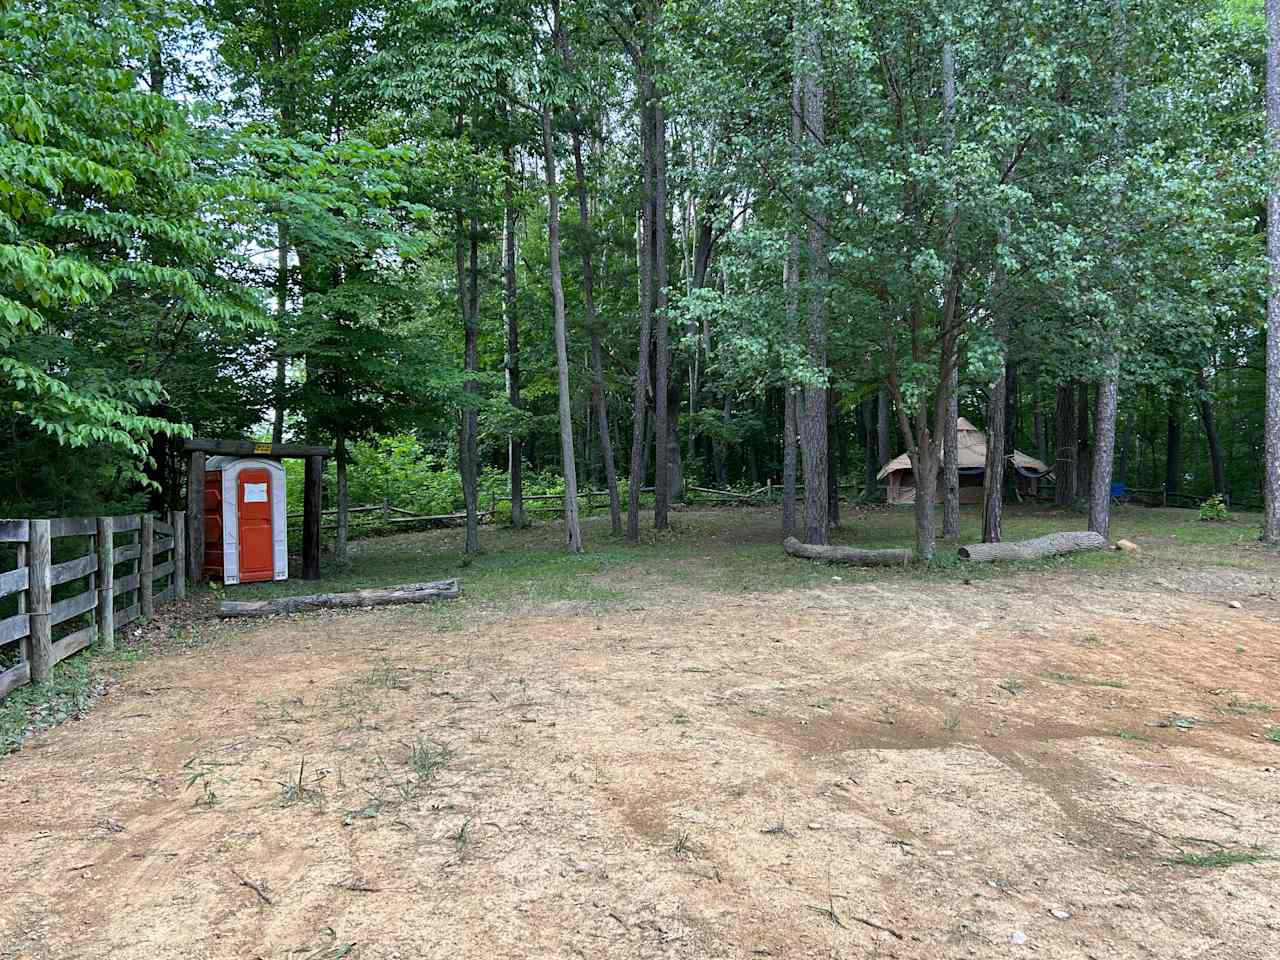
(253, 508)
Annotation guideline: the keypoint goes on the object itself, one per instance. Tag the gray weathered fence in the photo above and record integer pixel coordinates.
(151, 550)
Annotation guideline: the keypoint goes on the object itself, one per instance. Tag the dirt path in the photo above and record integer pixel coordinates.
(856, 771)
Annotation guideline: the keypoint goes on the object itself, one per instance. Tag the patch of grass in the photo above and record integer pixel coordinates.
(294, 790)
(758, 711)
(32, 708)
(950, 723)
(1274, 734)
(1237, 706)
(683, 844)
(680, 719)
(387, 676)
(1010, 685)
(462, 837)
(1128, 735)
(427, 758)
(1071, 678)
(202, 774)
(1220, 858)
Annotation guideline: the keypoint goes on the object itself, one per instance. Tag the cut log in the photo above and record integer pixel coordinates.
(385, 596)
(1050, 545)
(855, 556)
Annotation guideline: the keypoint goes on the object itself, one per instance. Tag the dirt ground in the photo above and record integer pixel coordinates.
(1018, 768)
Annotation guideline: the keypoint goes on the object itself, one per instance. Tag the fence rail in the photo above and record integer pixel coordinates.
(92, 601)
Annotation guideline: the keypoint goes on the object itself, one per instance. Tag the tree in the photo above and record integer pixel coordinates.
(1271, 428)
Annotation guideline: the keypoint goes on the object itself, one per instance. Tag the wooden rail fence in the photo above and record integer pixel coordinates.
(92, 601)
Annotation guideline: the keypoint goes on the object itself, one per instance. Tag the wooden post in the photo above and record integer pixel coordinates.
(106, 584)
(39, 599)
(313, 505)
(178, 518)
(146, 567)
(195, 518)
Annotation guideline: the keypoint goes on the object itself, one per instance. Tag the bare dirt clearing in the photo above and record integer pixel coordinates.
(863, 769)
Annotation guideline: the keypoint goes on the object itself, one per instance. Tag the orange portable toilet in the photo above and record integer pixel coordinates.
(246, 537)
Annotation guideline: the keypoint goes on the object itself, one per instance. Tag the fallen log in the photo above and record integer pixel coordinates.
(1050, 545)
(405, 593)
(850, 555)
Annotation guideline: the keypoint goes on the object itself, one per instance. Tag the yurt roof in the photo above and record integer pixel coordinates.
(971, 454)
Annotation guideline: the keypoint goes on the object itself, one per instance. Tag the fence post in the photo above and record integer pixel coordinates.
(195, 517)
(40, 598)
(146, 566)
(106, 583)
(178, 518)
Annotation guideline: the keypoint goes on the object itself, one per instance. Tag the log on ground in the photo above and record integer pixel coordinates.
(855, 556)
(385, 596)
(1050, 545)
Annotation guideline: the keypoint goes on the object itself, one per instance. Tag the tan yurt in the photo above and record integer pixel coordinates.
(900, 480)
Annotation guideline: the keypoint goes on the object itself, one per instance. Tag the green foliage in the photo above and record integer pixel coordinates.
(1214, 509)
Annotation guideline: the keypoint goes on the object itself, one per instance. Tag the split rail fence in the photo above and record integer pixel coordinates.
(51, 610)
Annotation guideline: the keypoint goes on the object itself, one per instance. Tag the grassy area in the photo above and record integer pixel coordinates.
(735, 551)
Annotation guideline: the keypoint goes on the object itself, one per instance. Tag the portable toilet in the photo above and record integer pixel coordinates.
(245, 524)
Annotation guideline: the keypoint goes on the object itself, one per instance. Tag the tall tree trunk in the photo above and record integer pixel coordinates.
(950, 434)
(833, 462)
(1271, 423)
(1214, 442)
(1064, 470)
(884, 438)
(511, 318)
(791, 289)
(789, 457)
(282, 308)
(997, 432)
(870, 453)
(1104, 411)
(811, 408)
(1084, 458)
(1042, 441)
(344, 499)
(662, 351)
(644, 257)
(572, 529)
(467, 246)
(1173, 450)
(598, 397)
(951, 464)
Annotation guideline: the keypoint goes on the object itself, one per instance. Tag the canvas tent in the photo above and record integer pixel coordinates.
(972, 454)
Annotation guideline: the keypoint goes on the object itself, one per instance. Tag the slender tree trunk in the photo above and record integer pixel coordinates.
(1271, 424)
(1213, 441)
(997, 410)
(598, 397)
(662, 351)
(1064, 493)
(467, 251)
(1084, 458)
(924, 464)
(344, 499)
(789, 452)
(870, 454)
(1104, 411)
(572, 529)
(884, 438)
(282, 314)
(833, 465)
(640, 388)
(950, 434)
(811, 408)
(951, 464)
(510, 304)
(791, 285)
(1173, 450)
